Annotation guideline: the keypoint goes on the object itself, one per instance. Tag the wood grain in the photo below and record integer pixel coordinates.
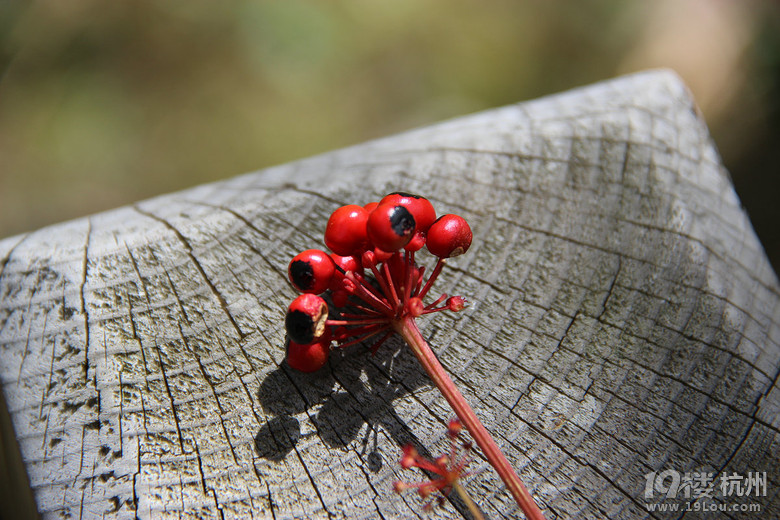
(623, 319)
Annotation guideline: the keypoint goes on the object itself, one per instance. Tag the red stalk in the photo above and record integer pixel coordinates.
(435, 274)
(369, 321)
(360, 289)
(389, 282)
(407, 328)
(368, 334)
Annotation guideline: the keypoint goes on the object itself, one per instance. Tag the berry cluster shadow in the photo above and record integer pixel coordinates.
(339, 400)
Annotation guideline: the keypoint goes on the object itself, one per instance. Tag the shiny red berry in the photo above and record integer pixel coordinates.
(449, 236)
(390, 227)
(305, 320)
(311, 271)
(420, 208)
(380, 255)
(309, 357)
(345, 233)
(417, 242)
(343, 264)
(346, 263)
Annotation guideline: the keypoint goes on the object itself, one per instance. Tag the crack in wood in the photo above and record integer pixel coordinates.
(188, 248)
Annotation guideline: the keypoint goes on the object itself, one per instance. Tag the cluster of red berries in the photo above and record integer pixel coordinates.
(381, 238)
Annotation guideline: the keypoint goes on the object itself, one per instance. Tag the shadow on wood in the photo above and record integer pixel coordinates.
(624, 320)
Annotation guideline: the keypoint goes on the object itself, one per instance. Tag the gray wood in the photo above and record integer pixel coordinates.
(623, 319)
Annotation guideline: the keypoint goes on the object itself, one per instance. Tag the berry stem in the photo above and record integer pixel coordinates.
(435, 274)
(437, 302)
(367, 321)
(359, 289)
(389, 282)
(370, 333)
(409, 281)
(407, 328)
(473, 509)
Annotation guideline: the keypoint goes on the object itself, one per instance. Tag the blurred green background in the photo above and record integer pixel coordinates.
(105, 102)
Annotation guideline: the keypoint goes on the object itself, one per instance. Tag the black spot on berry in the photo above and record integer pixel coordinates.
(405, 194)
(401, 221)
(302, 274)
(300, 327)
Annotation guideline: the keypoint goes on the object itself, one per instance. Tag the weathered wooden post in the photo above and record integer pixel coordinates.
(624, 320)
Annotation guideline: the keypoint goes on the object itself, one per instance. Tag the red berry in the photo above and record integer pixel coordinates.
(344, 264)
(340, 334)
(310, 357)
(369, 258)
(414, 306)
(422, 211)
(381, 256)
(305, 320)
(347, 263)
(370, 206)
(456, 303)
(340, 298)
(345, 233)
(390, 227)
(420, 208)
(417, 242)
(311, 271)
(449, 236)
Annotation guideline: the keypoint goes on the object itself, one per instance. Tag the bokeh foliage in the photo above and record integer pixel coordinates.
(107, 102)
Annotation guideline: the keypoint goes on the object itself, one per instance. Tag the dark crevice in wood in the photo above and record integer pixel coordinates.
(198, 266)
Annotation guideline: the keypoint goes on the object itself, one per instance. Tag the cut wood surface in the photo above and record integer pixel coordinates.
(623, 319)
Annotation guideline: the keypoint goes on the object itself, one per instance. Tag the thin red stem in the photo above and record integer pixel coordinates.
(371, 321)
(437, 302)
(428, 465)
(362, 316)
(364, 310)
(382, 283)
(364, 337)
(378, 343)
(407, 328)
(348, 333)
(367, 286)
(432, 278)
(418, 284)
(408, 274)
(393, 294)
(364, 294)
